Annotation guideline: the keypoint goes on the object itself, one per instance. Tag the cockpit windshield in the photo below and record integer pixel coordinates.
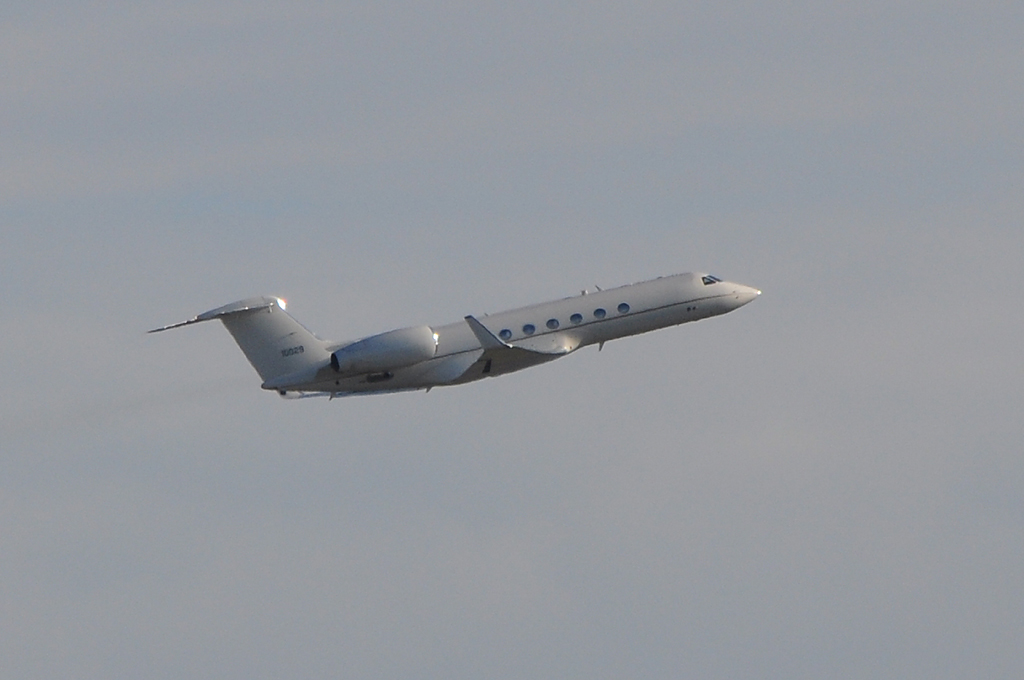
(709, 279)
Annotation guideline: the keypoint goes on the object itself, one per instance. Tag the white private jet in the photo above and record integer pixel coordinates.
(295, 363)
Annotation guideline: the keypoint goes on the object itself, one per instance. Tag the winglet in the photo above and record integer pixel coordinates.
(487, 339)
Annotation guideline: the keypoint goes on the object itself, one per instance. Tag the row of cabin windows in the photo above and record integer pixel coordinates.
(575, 319)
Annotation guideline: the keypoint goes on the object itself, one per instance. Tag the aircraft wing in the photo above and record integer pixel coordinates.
(543, 347)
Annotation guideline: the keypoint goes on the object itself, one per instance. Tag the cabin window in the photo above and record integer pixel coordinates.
(599, 313)
(623, 308)
(505, 334)
(709, 279)
(552, 324)
(529, 329)
(576, 318)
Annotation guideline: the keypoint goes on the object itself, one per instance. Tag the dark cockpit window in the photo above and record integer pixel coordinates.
(708, 280)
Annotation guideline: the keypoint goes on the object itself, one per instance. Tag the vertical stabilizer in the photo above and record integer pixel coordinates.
(273, 342)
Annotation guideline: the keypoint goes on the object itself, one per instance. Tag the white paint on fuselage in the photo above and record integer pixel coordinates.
(659, 303)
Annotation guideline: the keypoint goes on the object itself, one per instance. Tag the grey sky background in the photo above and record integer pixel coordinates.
(826, 483)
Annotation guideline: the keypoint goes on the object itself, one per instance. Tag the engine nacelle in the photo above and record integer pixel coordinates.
(394, 349)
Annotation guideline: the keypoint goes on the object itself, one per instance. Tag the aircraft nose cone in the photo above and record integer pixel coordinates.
(746, 294)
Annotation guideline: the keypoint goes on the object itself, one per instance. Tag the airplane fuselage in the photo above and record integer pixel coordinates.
(550, 330)
(293, 362)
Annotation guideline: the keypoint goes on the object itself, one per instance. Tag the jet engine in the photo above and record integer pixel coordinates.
(394, 349)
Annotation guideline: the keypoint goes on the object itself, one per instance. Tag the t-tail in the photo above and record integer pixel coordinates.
(280, 348)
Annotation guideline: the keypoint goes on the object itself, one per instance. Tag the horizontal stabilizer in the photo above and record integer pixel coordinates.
(250, 304)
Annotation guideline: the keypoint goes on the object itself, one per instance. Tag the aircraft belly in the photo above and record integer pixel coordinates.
(442, 370)
(438, 371)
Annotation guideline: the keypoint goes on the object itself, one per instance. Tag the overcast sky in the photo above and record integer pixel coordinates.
(826, 483)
